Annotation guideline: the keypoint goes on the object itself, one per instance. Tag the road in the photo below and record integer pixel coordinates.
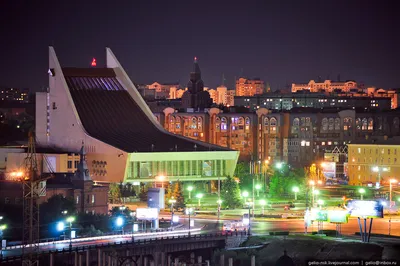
(211, 225)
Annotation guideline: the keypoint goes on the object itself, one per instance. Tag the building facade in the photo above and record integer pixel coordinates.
(325, 86)
(373, 160)
(314, 100)
(249, 87)
(299, 137)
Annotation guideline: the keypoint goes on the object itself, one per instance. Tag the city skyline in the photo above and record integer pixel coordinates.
(279, 43)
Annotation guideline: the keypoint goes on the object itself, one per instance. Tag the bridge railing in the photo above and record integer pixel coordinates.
(140, 242)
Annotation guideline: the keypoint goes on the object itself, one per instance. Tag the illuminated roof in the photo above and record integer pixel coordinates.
(110, 114)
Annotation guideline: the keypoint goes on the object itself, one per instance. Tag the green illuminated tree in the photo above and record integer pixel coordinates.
(115, 193)
(230, 193)
(178, 196)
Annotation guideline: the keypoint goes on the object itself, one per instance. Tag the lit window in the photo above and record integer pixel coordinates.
(77, 199)
(93, 198)
(359, 150)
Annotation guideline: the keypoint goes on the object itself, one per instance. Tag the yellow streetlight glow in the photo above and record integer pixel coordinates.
(312, 182)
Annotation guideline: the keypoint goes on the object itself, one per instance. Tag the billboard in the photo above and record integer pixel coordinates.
(338, 216)
(328, 170)
(146, 213)
(207, 168)
(333, 216)
(365, 208)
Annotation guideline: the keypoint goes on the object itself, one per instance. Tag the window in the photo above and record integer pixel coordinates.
(178, 123)
(347, 123)
(370, 124)
(69, 165)
(194, 122)
(396, 124)
(224, 124)
(77, 199)
(266, 124)
(273, 125)
(6, 200)
(93, 212)
(364, 124)
(358, 124)
(337, 124)
(295, 127)
(331, 123)
(76, 164)
(325, 124)
(200, 123)
(93, 198)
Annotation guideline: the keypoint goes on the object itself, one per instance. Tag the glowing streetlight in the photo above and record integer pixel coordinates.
(263, 202)
(391, 181)
(160, 178)
(320, 203)
(172, 201)
(361, 191)
(190, 188)
(60, 226)
(258, 187)
(245, 195)
(70, 220)
(279, 165)
(199, 196)
(2, 228)
(295, 190)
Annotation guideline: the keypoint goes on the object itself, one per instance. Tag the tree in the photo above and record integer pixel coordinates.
(230, 193)
(51, 210)
(242, 171)
(178, 196)
(143, 193)
(283, 180)
(115, 193)
(168, 193)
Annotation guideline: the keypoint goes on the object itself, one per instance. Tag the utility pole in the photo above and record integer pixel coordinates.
(30, 189)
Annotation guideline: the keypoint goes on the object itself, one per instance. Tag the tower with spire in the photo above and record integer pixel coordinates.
(195, 97)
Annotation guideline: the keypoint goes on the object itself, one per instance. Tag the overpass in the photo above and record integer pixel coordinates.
(153, 249)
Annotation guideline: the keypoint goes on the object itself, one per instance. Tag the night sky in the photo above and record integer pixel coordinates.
(279, 41)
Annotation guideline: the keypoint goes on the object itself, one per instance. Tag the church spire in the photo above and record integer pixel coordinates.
(82, 171)
(196, 68)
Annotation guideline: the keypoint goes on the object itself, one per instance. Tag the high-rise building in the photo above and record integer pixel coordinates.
(249, 87)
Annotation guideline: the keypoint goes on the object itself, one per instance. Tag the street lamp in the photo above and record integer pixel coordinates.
(2, 228)
(258, 187)
(295, 190)
(315, 195)
(219, 201)
(172, 201)
(188, 212)
(61, 227)
(320, 203)
(199, 196)
(312, 184)
(245, 194)
(190, 188)
(378, 170)
(70, 220)
(391, 181)
(119, 222)
(262, 203)
(361, 191)
(279, 165)
(161, 179)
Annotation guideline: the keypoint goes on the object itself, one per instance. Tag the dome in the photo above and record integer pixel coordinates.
(284, 260)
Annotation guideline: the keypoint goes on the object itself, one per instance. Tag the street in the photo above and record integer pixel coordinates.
(210, 225)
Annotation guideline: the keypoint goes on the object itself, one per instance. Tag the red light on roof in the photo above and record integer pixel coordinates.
(94, 62)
